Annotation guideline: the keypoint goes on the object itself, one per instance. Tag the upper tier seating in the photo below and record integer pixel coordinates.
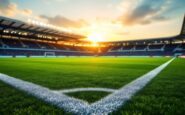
(13, 43)
(116, 48)
(183, 46)
(129, 47)
(170, 47)
(155, 47)
(141, 47)
(45, 45)
(60, 47)
(31, 44)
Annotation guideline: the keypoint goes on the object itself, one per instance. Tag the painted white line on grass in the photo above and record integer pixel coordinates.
(76, 106)
(62, 101)
(118, 98)
(85, 89)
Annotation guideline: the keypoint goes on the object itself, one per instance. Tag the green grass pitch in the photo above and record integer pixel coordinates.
(164, 95)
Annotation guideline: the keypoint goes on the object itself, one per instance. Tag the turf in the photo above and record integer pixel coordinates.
(62, 73)
(66, 73)
(14, 102)
(89, 96)
(165, 95)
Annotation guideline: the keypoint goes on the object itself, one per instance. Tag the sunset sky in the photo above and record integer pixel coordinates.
(113, 19)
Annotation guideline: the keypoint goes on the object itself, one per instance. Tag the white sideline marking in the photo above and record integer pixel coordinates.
(85, 89)
(62, 101)
(118, 98)
(76, 106)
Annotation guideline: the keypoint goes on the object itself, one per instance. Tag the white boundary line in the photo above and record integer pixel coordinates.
(62, 101)
(76, 106)
(118, 98)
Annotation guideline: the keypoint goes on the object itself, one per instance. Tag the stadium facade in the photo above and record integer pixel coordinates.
(18, 38)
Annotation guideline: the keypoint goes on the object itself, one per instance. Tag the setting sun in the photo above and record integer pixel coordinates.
(96, 37)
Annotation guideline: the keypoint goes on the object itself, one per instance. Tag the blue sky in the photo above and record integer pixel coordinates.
(113, 19)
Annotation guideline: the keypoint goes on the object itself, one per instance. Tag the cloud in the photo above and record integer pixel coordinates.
(143, 11)
(49, 2)
(64, 22)
(3, 3)
(55, 0)
(27, 12)
(7, 8)
(11, 10)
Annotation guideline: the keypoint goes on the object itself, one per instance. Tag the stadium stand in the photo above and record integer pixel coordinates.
(156, 47)
(18, 38)
(140, 47)
(12, 43)
(149, 50)
(169, 46)
(31, 44)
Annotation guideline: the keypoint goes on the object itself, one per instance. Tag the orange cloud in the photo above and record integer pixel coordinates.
(27, 12)
(11, 10)
(64, 22)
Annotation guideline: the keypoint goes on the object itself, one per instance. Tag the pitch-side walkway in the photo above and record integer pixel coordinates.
(104, 106)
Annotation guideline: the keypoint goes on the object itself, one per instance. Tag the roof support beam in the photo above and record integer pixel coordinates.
(11, 24)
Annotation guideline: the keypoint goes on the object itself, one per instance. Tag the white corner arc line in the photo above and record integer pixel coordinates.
(76, 106)
(85, 89)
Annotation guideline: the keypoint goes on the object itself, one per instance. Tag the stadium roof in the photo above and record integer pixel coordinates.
(152, 40)
(34, 31)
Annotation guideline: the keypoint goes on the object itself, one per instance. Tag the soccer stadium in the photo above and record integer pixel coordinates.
(55, 67)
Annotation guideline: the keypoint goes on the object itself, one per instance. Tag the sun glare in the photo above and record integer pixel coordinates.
(96, 37)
